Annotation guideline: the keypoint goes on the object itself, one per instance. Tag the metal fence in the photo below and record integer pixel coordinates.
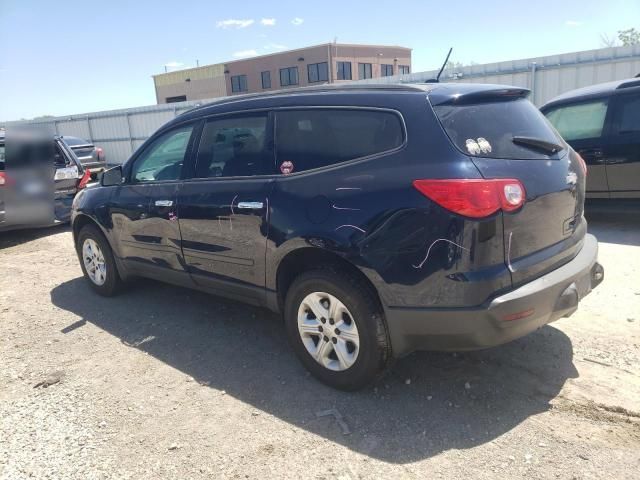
(121, 132)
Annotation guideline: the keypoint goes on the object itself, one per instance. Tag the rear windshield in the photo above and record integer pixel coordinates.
(487, 129)
(73, 141)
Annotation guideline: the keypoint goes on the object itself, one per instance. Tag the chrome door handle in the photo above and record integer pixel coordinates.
(251, 205)
(164, 203)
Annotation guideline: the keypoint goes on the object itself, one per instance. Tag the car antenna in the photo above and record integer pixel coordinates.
(446, 60)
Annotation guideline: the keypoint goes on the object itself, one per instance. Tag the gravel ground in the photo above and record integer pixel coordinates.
(163, 382)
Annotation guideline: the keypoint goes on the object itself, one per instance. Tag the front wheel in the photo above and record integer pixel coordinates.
(336, 328)
(97, 262)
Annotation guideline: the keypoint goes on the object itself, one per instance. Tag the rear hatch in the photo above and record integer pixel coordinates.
(507, 137)
(84, 153)
(84, 150)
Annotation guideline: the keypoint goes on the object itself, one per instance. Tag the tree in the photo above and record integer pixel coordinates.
(607, 41)
(630, 36)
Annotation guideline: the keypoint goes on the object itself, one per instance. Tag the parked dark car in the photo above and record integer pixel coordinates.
(37, 188)
(378, 220)
(602, 123)
(90, 156)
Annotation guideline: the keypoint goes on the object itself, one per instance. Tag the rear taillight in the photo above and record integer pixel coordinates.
(100, 153)
(85, 179)
(472, 197)
(583, 164)
(4, 179)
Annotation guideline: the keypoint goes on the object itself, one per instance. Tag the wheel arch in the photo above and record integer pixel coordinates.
(82, 220)
(304, 259)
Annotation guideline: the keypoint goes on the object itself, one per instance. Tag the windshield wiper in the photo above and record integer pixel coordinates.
(538, 143)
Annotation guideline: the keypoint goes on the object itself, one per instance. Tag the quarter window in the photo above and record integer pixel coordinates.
(364, 70)
(316, 138)
(164, 157)
(318, 72)
(288, 76)
(233, 147)
(344, 70)
(386, 70)
(266, 79)
(579, 121)
(239, 83)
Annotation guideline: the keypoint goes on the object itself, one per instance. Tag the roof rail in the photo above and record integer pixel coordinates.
(629, 84)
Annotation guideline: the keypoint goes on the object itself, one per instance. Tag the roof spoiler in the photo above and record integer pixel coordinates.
(479, 96)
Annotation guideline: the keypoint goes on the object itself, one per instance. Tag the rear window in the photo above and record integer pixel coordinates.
(73, 141)
(487, 129)
(308, 139)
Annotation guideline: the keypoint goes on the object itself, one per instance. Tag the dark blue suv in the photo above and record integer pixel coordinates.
(378, 220)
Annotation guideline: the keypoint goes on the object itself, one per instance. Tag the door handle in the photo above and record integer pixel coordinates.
(251, 205)
(164, 203)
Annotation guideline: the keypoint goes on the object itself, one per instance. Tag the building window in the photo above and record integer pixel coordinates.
(239, 83)
(364, 71)
(179, 98)
(288, 76)
(403, 69)
(266, 79)
(318, 72)
(386, 70)
(344, 71)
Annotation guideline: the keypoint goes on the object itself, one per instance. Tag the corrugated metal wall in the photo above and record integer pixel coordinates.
(547, 77)
(121, 132)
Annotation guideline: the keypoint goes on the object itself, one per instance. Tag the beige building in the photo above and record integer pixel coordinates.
(327, 63)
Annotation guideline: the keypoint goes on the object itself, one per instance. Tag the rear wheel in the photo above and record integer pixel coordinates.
(336, 328)
(97, 262)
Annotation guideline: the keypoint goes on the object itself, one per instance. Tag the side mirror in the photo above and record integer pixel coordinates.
(112, 177)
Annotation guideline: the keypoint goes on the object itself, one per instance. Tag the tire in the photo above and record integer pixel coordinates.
(359, 363)
(106, 281)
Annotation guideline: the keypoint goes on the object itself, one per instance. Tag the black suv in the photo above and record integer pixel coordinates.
(602, 123)
(377, 219)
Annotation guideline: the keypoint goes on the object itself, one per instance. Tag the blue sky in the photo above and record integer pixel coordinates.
(72, 56)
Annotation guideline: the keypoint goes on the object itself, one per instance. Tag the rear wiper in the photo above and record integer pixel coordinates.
(543, 145)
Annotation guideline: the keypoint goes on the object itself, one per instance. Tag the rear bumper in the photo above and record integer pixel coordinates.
(503, 318)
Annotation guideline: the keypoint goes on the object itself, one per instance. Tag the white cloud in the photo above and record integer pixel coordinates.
(245, 53)
(275, 46)
(572, 23)
(268, 22)
(173, 64)
(297, 21)
(235, 23)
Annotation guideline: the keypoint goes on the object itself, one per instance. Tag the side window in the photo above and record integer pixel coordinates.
(627, 115)
(579, 121)
(308, 139)
(163, 159)
(233, 147)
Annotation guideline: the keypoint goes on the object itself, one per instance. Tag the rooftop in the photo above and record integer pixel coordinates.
(596, 90)
(329, 44)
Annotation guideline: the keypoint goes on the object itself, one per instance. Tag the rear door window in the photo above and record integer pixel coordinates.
(488, 129)
(626, 119)
(579, 121)
(314, 138)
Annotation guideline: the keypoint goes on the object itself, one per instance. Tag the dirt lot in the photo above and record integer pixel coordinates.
(162, 382)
